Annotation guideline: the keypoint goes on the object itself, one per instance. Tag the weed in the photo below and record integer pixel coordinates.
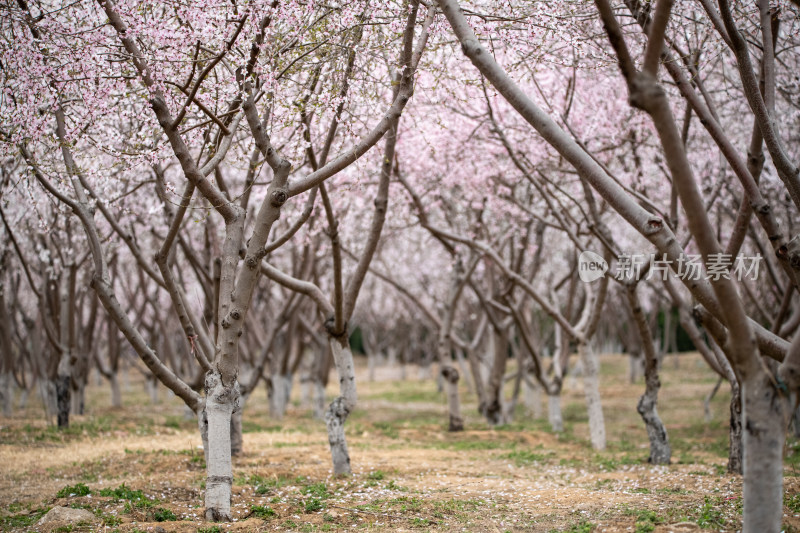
(76, 490)
(313, 505)
(377, 475)
(136, 498)
(709, 516)
(261, 511)
(392, 485)
(318, 490)
(212, 529)
(792, 502)
(164, 515)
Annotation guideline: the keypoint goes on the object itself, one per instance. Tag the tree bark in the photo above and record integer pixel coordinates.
(735, 457)
(493, 406)
(764, 412)
(63, 391)
(279, 395)
(237, 440)
(554, 412)
(660, 451)
(451, 376)
(532, 397)
(221, 402)
(116, 396)
(591, 384)
(6, 392)
(342, 406)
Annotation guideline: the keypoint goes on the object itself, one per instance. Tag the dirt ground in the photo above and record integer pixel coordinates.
(140, 468)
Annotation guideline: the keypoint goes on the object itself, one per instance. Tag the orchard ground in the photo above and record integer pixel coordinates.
(140, 468)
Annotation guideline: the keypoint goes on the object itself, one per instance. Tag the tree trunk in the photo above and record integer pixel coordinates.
(78, 397)
(47, 390)
(765, 411)
(152, 389)
(6, 392)
(532, 398)
(221, 402)
(554, 412)
(371, 365)
(63, 393)
(342, 406)
(634, 368)
(450, 375)
(660, 451)
(279, 395)
(735, 458)
(591, 384)
(23, 398)
(493, 407)
(116, 396)
(318, 400)
(707, 401)
(462, 369)
(237, 440)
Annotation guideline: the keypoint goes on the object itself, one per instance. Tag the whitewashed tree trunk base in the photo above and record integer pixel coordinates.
(221, 403)
(341, 407)
(279, 396)
(24, 395)
(532, 398)
(116, 396)
(450, 377)
(318, 401)
(554, 413)
(237, 439)
(591, 384)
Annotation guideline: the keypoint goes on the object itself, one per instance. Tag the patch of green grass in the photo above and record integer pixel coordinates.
(79, 489)
(22, 519)
(456, 506)
(646, 520)
(526, 457)
(472, 444)
(392, 485)
(410, 392)
(313, 505)
(672, 490)
(212, 529)
(136, 498)
(264, 485)
(261, 511)
(377, 475)
(164, 515)
(709, 515)
(640, 490)
(792, 502)
(318, 490)
(404, 503)
(388, 429)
